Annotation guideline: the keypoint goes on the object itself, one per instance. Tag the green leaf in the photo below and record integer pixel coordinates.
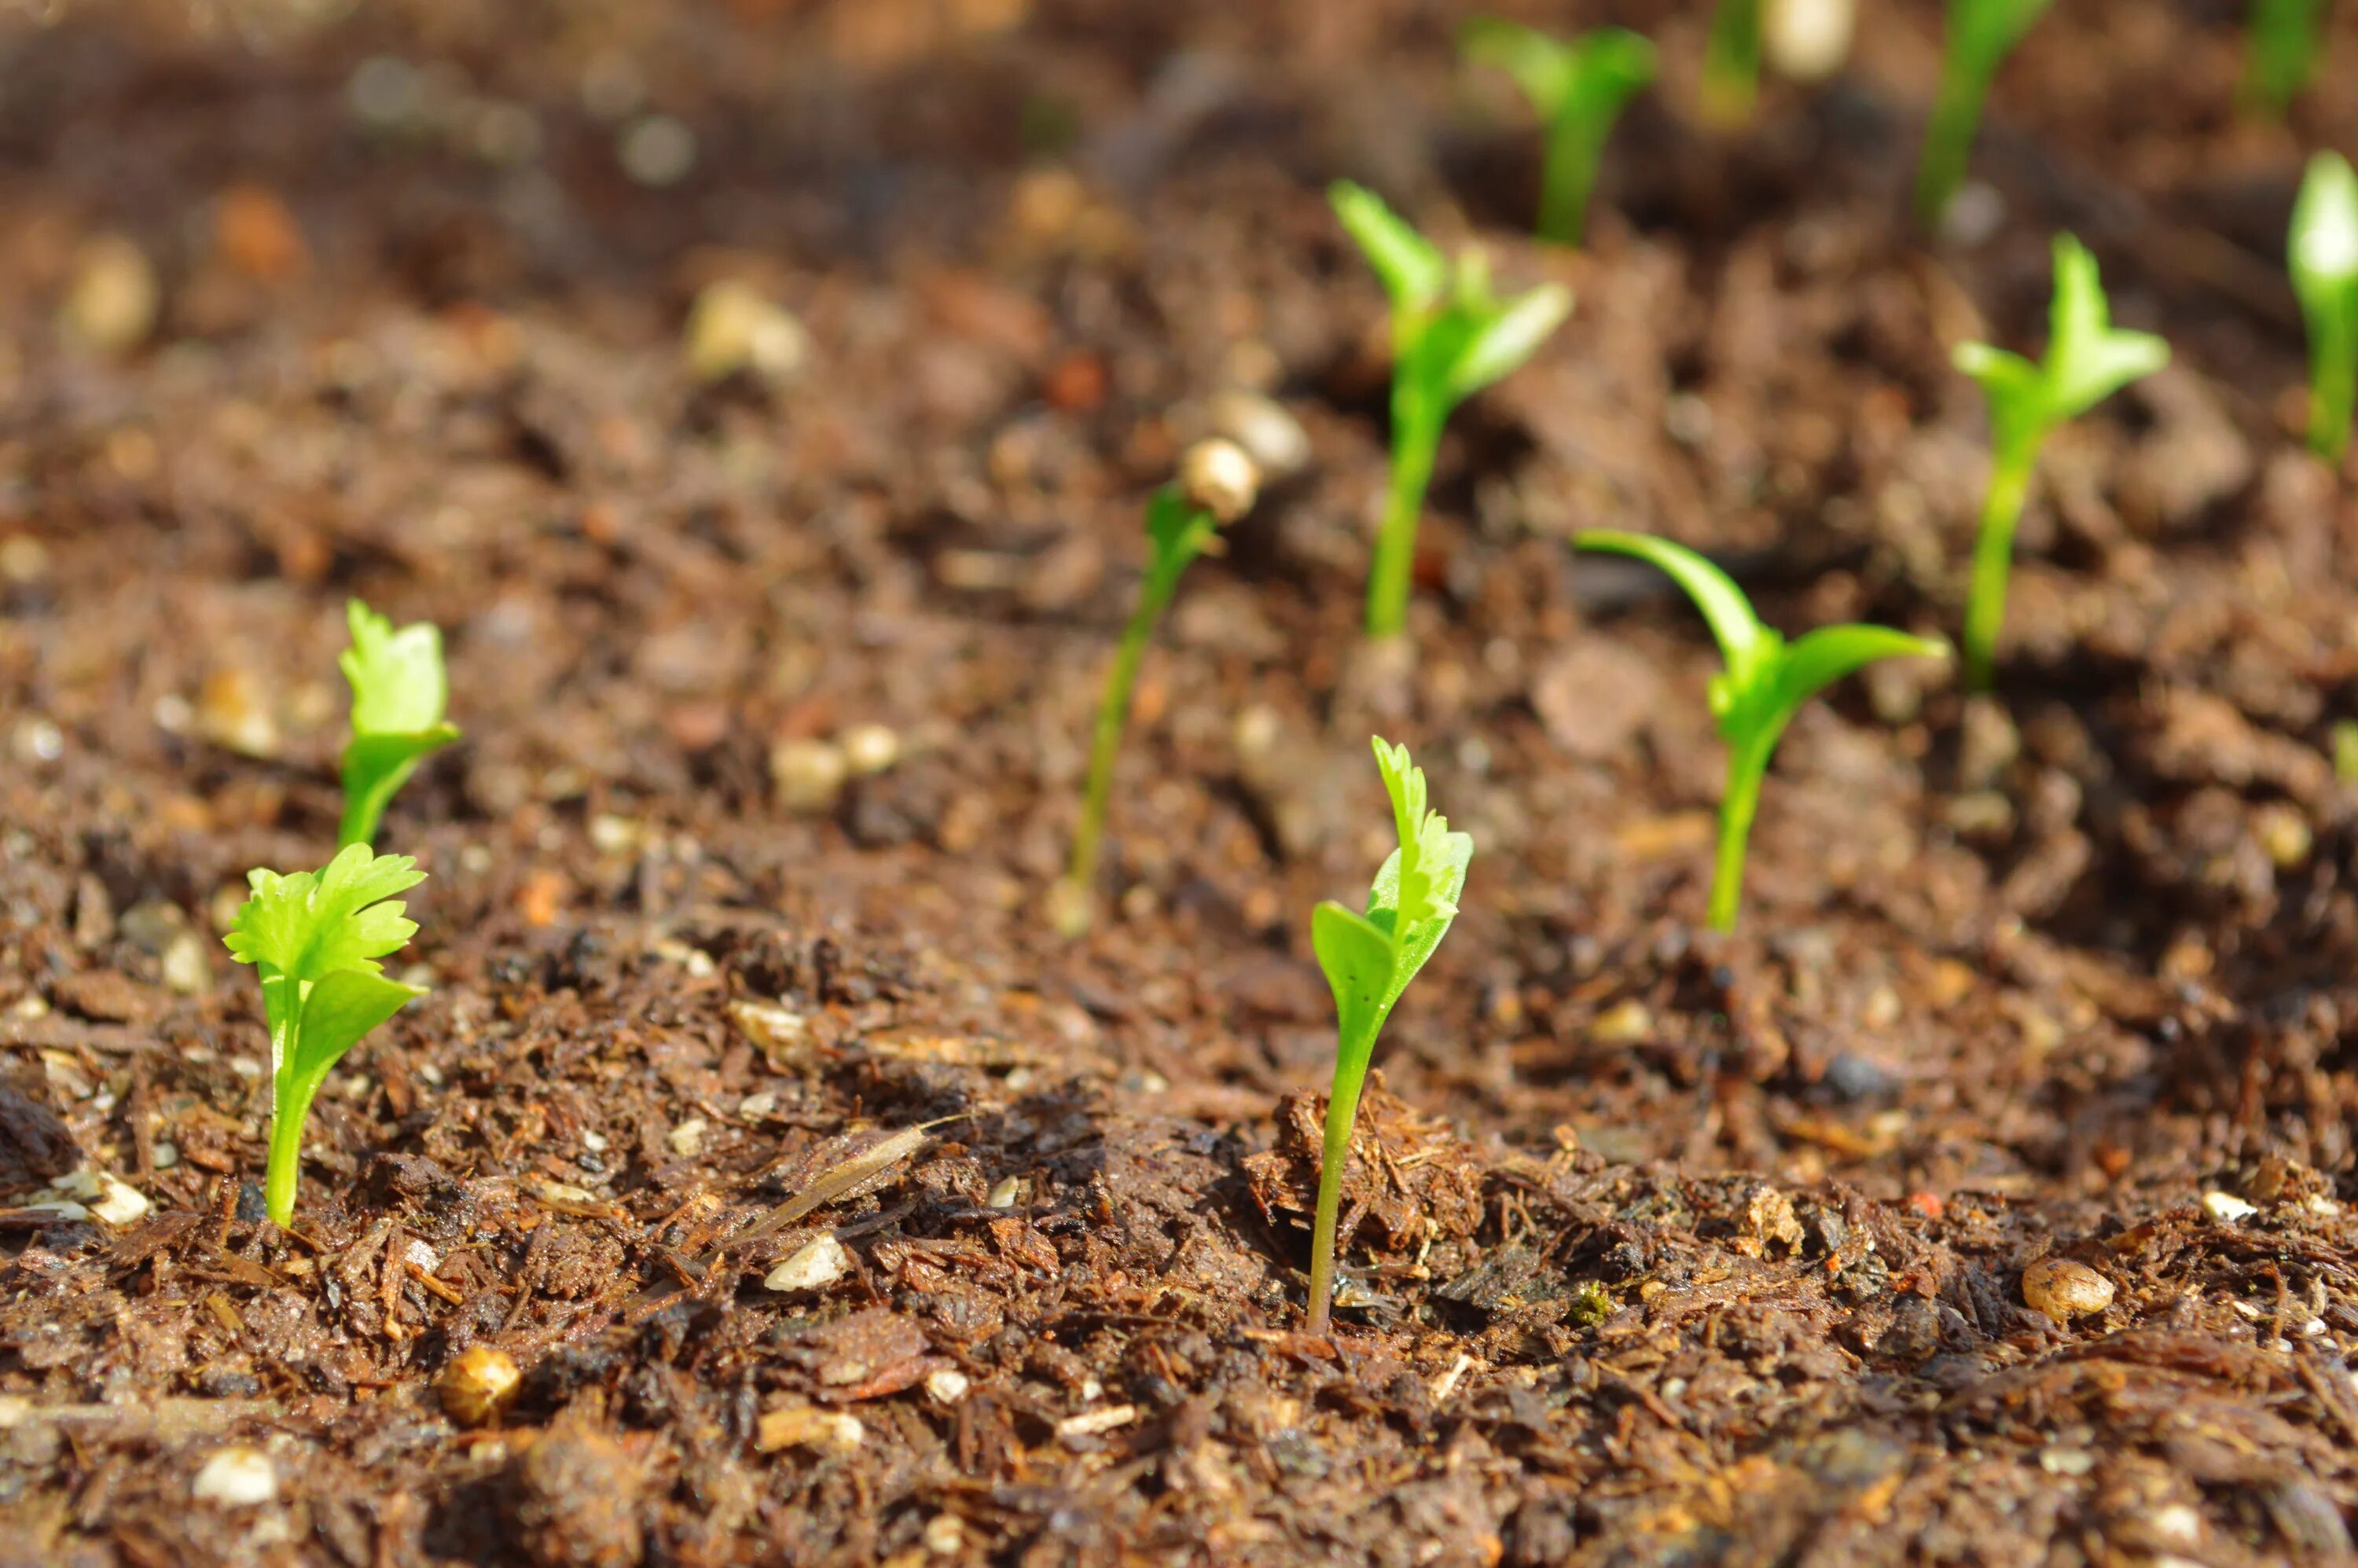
(1412, 271)
(1985, 32)
(1416, 890)
(1505, 340)
(1817, 660)
(1743, 641)
(2323, 250)
(2087, 359)
(1616, 64)
(342, 1008)
(398, 684)
(1542, 67)
(1357, 959)
(309, 924)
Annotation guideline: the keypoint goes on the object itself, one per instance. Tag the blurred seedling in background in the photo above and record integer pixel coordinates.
(1370, 959)
(1731, 62)
(1451, 337)
(2286, 41)
(1981, 34)
(314, 939)
(2345, 750)
(2087, 361)
(2323, 254)
(1765, 682)
(1217, 485)
(1579, 90)
(399, 692)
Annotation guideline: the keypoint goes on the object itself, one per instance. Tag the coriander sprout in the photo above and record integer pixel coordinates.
(1579, 89)
(2087, 361)
(2324, 258)
(1451, 337)
(1981, 33)
(1370, 959)
(1765, 681)
(2286, 40)
(1731, 62)
(1217, 485)
(399, 691)
(314, 939)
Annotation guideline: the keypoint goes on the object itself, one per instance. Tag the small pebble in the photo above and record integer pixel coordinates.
(2064, 1289)
(947, 1386)
(112, 305)
(734, 327)
(813, 1266)
(479, 1385)
(1623, 1023)
(656, 150)
(871, 748)
(808, 775)
(2226, 1208)
(945, 1534)
(236, 1477)
(801, 1426)
(687, 1140)
(782, 1034)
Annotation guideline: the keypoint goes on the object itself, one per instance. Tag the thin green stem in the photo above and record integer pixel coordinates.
(286, 1119)
(2333, 382)
(1342, 1113)
(1948, 140)
(1416, 437)
(1731, 62)
(364, 810)
(1994, 559)
(1747, 764)
(2284, 49)
(1113, 717)
(1567, 175)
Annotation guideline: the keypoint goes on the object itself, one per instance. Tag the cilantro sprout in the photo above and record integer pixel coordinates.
(399, 692)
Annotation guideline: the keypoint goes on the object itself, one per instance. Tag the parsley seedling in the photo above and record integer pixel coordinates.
(1451, 337)
(1218, 485)
(1765, 681)
(1731, 62)
(399, 692)
(1579, 90)
(2323, 254)
(1981, 33)
(1370, 959)
(314, 939)
(2286, 41)
(2087, 361)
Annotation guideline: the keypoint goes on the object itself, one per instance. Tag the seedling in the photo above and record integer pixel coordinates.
(399, 692)
(2324, 258)
(1370, 959)
(2087, 361)
(314, 939)
(1217, 484)
(1579, 90)
(1766, 680)
(1731, 62)
(1451, 337)
(1981, 33)
(2286, 40)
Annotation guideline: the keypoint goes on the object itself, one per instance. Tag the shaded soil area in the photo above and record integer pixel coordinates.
(1984, 1199)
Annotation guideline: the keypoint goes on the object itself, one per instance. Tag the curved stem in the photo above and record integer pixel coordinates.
(2333, 382)
(1342, 1112)
(1747, 764)
(1113, 717)
(1416, 434)
(1993, 559)
(1566, 177)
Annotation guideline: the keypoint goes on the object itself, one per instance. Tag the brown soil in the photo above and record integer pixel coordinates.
(1665, 1248)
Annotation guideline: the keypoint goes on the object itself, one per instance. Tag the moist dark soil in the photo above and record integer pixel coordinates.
(1984, 1199)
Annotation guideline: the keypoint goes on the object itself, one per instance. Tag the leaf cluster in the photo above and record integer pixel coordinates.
(1587, 78)
(400, 692)
(2088, 359)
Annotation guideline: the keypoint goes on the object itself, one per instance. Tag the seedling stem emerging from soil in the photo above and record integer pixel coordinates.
(2087, 361)
(1370, 959)
(314, 939)
(399, 692)
(2324, 258)
(1579, 90)
(1451, 337)
(1731, 62)
(1981, 33)
(1766, 680)
(2287, 39)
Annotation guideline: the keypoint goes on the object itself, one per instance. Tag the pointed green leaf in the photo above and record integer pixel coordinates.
(1507, 338)
(1412, 271)
(1358, 959)
(1741, 637)
(2087, 359)
(1615, 65)
(342, 1008)
(1816, 660)
(310, 923)
(397, 680)
(1542, 67)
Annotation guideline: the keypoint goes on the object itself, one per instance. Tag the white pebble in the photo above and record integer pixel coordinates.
(814, 1266)
(947, 1386)
(237, 1477)
(687, 1139)
(2227, 1209)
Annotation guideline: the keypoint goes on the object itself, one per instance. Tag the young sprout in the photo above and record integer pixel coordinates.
(314, 939)
(1370, 959)
(1579, 89)
(2087, 361)
(1451, 337)
(1981, 33)
(2286, 40)
(2324, 256)
(399, 691)
(1731, 62)
(1765, 681)
(1217, 483)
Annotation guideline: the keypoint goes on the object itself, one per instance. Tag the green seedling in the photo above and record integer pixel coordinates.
(2323, 254)
(1182, 521)
(1731, 62)
(2345, 750)
(1766, 680)
(1579, 90)
(1451, 337)
(2087, 361)
(1370, 959)
(2286, 40)
(1981, 33)
(399, 692)
(314, 939)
